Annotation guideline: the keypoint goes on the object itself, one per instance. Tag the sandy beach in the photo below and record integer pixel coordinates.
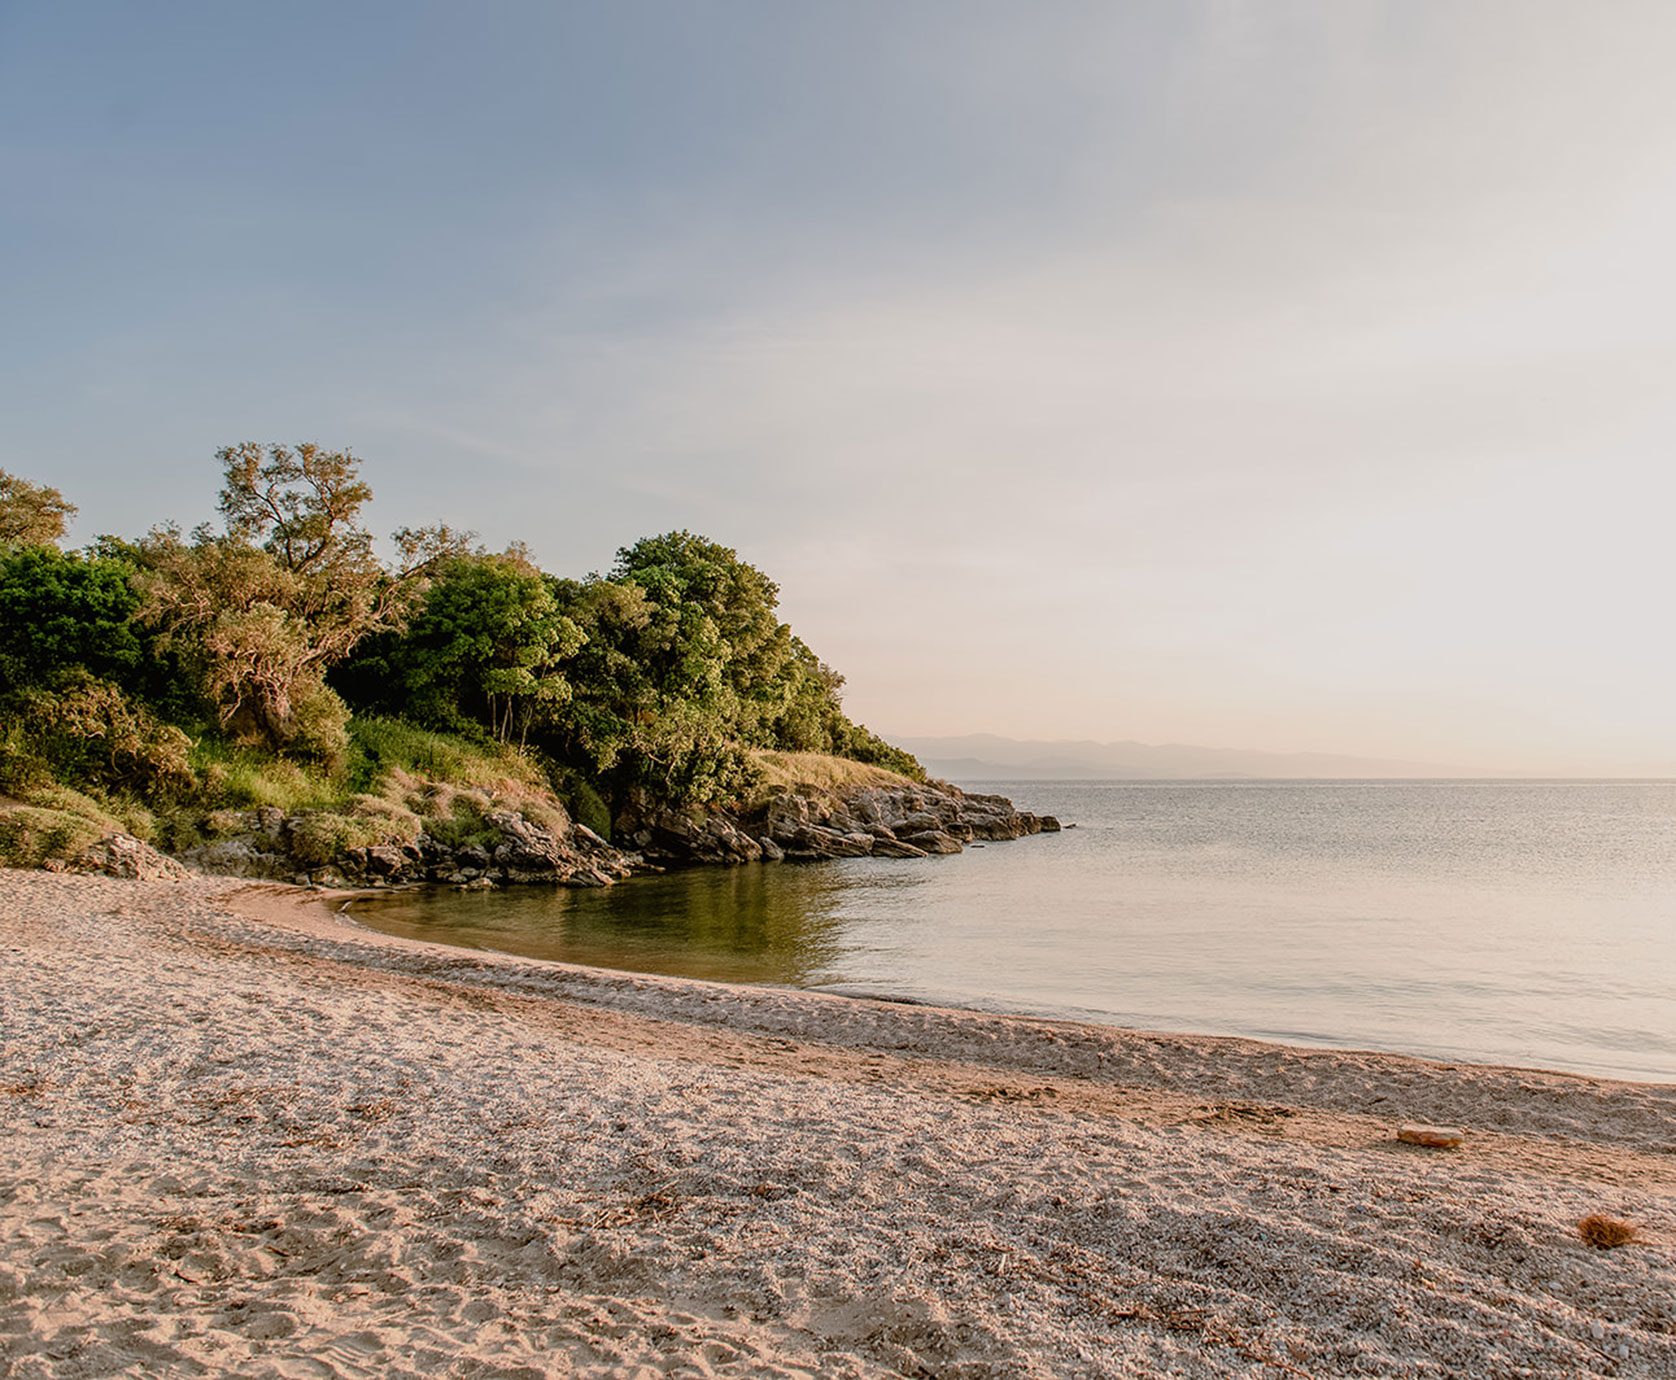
(245, 1137)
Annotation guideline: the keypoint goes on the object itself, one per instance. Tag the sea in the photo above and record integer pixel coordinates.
(1530, 923)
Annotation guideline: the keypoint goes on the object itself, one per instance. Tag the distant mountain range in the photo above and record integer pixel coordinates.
(986, 757)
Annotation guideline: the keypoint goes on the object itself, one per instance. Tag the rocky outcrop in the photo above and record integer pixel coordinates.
(123, 855)
(508, 849)
(805, 824)
(809, 824)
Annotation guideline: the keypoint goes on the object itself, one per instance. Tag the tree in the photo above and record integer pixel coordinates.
(715, 636)
(31, 514)
(76, 675)
(270, 618)
(62, 613)
(485, 646)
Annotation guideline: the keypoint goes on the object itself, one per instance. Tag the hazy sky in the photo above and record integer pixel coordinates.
(1286, 376)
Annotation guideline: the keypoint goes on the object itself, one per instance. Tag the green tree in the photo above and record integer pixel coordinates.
(684, 666)
(288, 589)
(484, 646)
(613, 698)
(62, 613)
(31, 514)
(75, 675)
(714, 638)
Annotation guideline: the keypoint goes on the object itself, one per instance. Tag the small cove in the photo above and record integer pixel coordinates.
(1527, 923)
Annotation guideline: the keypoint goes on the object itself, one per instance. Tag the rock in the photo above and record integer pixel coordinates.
(386, 861)
(816, 840)
(896, 848)
(730, 843)
(807, 823)
(932, 841)
(1437, 1137)
(587, 835)
(241, 857)
(122, 855)
(1049, 824)
(527, 852)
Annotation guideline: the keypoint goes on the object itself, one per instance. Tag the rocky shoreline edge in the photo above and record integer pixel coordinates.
(802, 824)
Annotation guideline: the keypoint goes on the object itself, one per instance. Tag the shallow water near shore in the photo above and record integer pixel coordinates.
(1528, 923)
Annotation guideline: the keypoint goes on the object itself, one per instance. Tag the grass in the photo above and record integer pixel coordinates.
(400, 781)
(53, 823)
(832, 775)
(377, 744)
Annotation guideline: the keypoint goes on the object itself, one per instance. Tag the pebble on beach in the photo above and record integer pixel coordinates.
(1436, 1137)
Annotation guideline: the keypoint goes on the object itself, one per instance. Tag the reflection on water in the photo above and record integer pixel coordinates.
(740, 924)
(1510, 922)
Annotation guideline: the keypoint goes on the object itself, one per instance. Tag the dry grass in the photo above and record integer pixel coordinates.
(835, 775)
(1606, 1232)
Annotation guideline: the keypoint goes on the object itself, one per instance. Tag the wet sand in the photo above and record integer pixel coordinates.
(242, 1136)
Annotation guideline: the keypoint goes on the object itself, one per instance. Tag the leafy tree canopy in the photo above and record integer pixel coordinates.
(62, 612)
(486, 644)
(31, 514)
(270, 618)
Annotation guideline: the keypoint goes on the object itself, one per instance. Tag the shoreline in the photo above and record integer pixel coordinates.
(245, 1135)
(343, 898)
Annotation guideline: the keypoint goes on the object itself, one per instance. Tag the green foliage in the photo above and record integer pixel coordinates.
(304, 502)
(586, 805)
(89, 732)
(267, 620)
(860, 745)
(380, 744)
(63, 615)
(484, 647)
(322, 836)
(74, 669)
(217, 671)
(55, 823)
(235, 777)
(461, 825)
(31, 514)
(714, 636)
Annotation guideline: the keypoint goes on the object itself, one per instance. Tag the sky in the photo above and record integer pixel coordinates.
(1288, 376)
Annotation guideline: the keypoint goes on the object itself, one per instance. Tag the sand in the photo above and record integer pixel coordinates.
(239, 1136)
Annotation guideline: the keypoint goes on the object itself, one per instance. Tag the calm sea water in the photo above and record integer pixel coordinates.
(1530, 923)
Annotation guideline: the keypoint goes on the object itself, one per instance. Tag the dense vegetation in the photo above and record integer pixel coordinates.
(280, 660)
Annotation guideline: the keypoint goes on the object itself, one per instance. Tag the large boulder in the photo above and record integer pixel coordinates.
(122, 855)
(246, 856)
(933, 841)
